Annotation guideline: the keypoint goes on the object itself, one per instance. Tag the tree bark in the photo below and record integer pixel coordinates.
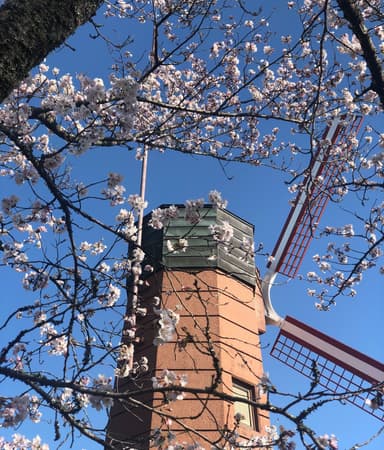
(31, 29)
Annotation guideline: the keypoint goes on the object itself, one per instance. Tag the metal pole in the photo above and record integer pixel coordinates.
(140, 220)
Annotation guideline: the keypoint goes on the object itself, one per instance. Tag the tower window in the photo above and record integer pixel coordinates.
(247, 411)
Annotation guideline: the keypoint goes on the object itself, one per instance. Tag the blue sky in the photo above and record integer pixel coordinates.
(259, 196)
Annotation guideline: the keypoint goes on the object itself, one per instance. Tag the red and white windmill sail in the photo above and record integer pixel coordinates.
(340, 368)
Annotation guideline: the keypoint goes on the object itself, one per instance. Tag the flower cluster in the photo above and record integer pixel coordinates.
(126, 219)
(137, 203)
(35, 281)
(168, 378)
(167, 322)
(176, 246)
(216, 199)
(13, 411)
(247, 247)
(328, 442)
(111, 296)
(222, 233)
(160, 217)
(193, 210)
(264, 385)
(272, 436)
(126, 366)
(56, 342)
(104, 385)
(115, 190)
(21, 442)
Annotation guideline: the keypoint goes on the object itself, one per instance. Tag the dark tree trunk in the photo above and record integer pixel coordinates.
(31, 29)
(355, 19)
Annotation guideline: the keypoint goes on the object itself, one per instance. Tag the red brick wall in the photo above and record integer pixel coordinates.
(219, 313)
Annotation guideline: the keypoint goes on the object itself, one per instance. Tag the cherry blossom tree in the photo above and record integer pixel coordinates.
(217, 80)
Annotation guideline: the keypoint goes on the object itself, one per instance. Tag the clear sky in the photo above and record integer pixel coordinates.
(259, 196)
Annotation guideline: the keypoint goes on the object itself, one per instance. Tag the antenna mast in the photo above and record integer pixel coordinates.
(140, 219)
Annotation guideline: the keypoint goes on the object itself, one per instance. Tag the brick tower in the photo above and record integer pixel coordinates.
(212, 285)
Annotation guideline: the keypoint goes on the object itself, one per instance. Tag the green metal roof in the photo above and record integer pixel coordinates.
(203, 251)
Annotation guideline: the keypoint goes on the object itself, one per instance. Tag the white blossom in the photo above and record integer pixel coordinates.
(216, 199)
(222, 233)
(167, 322)
(137, 203)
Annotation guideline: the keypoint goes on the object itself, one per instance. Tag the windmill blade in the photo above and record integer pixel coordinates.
(304, 216)
(341, 369)
(309, 206)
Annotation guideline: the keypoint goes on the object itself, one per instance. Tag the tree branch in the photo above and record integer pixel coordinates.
(353, 16)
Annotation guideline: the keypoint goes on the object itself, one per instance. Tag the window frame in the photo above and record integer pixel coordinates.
(240, 387)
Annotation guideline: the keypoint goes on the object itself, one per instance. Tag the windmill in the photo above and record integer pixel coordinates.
(340, 367)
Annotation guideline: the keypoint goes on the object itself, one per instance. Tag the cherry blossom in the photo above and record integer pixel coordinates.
(160, 217)
(169, 378)
(167, 322)
(222, 233)
(216, 199)
(21, 442)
